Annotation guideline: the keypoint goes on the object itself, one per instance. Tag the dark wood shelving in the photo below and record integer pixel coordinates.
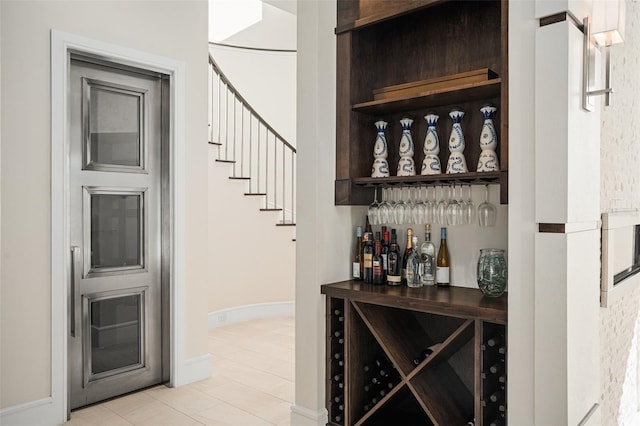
(401, 43)
(464, 178)
(372, 12)
(464, 93)
(457, 302)
(395, 324)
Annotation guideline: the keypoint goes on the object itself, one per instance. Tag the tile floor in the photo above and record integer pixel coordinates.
(252, 385)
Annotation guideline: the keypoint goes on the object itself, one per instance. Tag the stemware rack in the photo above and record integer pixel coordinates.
(391, 326)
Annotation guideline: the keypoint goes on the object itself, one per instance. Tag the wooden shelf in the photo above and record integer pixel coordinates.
(379, 11)
(453, 301)
(465, 178)
(482, 90)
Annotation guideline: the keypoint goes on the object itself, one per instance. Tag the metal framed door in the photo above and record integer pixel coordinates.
(115, 176)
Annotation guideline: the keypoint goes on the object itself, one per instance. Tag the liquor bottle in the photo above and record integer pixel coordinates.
(413, 265)
(427, 256)
(406, 255)
(394, 260)
(443, 262)
(368, 258)
(357, 256)
(378, 271)
(385, 252)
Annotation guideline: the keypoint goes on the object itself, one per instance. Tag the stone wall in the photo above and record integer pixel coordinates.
(620, 190)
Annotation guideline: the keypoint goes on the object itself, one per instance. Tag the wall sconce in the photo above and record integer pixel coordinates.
(607, 29)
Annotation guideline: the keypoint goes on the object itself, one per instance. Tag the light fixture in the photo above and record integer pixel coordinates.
(607, 29)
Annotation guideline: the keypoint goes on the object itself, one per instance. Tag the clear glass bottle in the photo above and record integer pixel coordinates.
(427, 258)
(413, 265)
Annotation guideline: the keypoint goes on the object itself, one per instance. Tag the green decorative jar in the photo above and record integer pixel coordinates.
(492, 272)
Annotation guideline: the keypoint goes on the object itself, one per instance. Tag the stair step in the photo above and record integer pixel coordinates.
(226, 161)
(215, 143)
(239, 178)
(255, 193)
(270, 210)
(285, 224)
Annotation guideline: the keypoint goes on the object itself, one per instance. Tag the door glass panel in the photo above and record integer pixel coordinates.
(115, 333)
(116, 230)
(114, 127)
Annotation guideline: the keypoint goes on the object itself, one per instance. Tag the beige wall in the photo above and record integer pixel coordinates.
(175, 29)
(620, 189)
(251, 260)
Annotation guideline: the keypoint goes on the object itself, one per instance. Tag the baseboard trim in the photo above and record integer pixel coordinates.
(38, 412)
(249, 312)
(303, 416)
(195, 369)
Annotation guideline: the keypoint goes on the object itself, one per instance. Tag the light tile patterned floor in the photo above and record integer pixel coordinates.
(252, 385)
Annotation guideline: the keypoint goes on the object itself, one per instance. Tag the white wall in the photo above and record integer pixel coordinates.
(324, 230)
(620, 189)
(267, 80)
(251, 260)
(175, 29)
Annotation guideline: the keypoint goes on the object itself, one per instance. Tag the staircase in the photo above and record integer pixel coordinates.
(255, 152)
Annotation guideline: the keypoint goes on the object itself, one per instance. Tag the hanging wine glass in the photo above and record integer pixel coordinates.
(470, 208)
(441, 208)
(487, 212)
(399, 209)
(421, 207)
(408, 208)
(452, 208)
(384, 207)
(462, 209)
(373, 209)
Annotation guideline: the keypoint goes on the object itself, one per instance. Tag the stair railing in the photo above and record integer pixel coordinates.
(257, 152)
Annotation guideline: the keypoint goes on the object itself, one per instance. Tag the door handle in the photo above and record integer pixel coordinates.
(73, 291)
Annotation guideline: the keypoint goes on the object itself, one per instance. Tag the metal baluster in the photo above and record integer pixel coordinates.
(242, 144)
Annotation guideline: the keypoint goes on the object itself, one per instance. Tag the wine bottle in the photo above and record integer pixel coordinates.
(338, 377)
(338, 398)
(496, 396)
(427, 256)
(338, 418)
(495, 340)
(497, 368)
(337, 355)
(337, 333)
(385, 252)
(368, 258)
(443, 262)
(425, 353)
(357, 256)
(406, 255)
(378, 271)
(394, 260)
(413, 265)
(498, 421)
